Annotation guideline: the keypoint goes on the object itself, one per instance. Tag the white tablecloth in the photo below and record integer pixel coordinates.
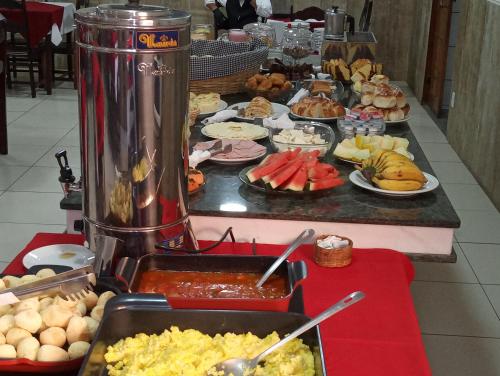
(67, 23)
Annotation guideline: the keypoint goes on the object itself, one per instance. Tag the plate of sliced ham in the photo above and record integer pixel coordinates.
(243, 151)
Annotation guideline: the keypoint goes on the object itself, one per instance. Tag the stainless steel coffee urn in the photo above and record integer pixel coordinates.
(133, 91)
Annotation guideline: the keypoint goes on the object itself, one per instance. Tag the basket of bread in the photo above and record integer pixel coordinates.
(223, 66)
(272, 86)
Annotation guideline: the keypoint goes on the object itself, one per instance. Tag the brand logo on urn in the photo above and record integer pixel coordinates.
(147, 40)
(149, 69)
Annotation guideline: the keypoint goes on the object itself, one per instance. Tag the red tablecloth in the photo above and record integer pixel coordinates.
(41, 17)
(377, 336)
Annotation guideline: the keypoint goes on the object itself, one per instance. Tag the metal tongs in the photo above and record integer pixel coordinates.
(71, 285)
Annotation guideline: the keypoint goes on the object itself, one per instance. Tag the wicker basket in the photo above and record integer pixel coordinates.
(232, 84)
(333, 258)
(224, 67)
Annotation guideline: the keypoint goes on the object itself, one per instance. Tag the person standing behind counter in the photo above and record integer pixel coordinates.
(239, 12)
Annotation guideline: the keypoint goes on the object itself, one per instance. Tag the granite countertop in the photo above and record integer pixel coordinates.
(224, 195)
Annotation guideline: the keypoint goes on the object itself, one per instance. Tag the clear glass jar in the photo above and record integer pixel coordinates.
(202, 31)
(263, 32)
(297, 44)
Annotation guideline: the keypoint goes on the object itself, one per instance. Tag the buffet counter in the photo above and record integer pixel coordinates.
(378, 336)
(422, 226)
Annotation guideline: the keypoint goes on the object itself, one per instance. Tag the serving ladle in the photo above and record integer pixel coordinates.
(304, 237)
(246, 367)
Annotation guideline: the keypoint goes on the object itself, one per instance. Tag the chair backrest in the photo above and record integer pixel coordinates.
(311, 12)
(20, 24)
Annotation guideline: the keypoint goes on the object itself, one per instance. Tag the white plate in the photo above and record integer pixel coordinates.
(236, 161)
(278, 110)
(251, 139)
(222, 106)
(72, 255)
(357, 178)
(318, 119)
(397, 121)
(411, 158)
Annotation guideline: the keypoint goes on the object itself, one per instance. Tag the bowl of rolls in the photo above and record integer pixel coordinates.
(377, 95)
(273, 86)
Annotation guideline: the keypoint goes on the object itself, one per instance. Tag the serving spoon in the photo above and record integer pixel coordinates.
(304, 237)
(246, 367)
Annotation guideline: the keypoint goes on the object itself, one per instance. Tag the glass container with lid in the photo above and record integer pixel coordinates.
(263, 32)
(297, 44)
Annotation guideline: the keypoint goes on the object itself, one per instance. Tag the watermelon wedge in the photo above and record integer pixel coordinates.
(316, 173)
(273, 174)
(272, 164)
(286, 173)
(326, 183)
(294, 153)
(326, 166)
(298, 180)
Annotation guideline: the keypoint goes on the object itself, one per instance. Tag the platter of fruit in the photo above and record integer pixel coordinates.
(292, 172)
(360, 148)
(391, 174)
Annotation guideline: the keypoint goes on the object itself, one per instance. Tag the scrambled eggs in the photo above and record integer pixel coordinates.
(192, 353)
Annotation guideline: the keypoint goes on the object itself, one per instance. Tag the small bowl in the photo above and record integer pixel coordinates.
(324, 130)
(335, 257)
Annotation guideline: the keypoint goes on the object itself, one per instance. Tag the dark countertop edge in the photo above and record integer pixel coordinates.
(270, 216)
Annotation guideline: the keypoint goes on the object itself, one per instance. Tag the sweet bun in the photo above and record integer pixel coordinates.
(367, 99)
(395, 114)
(368, 87)
(384, 99)
(400, 98)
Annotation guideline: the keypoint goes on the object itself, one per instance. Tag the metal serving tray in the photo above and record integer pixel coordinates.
(130, 314)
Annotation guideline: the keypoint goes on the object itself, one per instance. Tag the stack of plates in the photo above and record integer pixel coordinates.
(317, 38)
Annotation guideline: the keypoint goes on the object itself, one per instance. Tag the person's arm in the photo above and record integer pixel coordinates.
(263, 8)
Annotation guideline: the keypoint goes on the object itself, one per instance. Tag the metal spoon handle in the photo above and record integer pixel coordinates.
(304, 237)
(337, 307)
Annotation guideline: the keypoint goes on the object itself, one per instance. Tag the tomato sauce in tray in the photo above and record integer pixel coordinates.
(189, 284)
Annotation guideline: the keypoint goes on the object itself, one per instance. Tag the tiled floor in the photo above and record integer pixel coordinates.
(458, 304)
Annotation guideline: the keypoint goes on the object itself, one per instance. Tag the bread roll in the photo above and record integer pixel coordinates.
(56, 315)
(2, 339)
(400, 98)
(7, 322)
(28, 319)
(104, 297)
(384, 100)
(92, 324)
(77, 330)
(97, 312)
(54, 336)
(368, 87)
(28, 348)
(15, 335)
(7, 352)
(396, 114)
(30, 303)
(5, 309)
(367, 99)
(2, 285)
(11, 281)
(49, 353)
(28, 278)
(90, 300)
(45, 273)
(78, 349)
(45, 302)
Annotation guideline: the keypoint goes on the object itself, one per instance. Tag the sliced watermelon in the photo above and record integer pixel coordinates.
(273, 174)
(316, 173)
(326, 183)
(298, 180)
(326, 166)
(266, 168)
(294, 153)
(294, 165)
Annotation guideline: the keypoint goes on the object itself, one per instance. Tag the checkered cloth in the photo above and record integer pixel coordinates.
(212, 59)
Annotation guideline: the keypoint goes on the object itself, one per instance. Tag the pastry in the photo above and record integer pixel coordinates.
(384, 98)
(321, 87)
(318, 107)
(357, 64)
(400, 98)
(259, 108)
(206, 103)
(406, 109)
(367, 99)
(380, 79)
(368, 87)
(274, 83)
(395, 114)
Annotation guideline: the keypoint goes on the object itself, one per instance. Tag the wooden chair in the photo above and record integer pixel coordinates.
(311, 12)
(20, 53)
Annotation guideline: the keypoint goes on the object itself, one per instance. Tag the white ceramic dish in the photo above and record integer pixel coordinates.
(222, 106)
(357, 178)
(412, 158)
(397, 121)
(264, 135)
(236, 161)
(278, 110)
(72, 255)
